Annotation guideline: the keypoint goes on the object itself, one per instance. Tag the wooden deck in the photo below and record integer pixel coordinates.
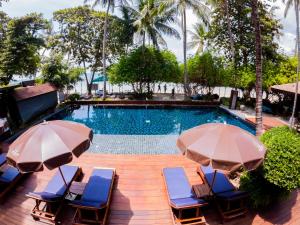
(139, 196)
(269, 122)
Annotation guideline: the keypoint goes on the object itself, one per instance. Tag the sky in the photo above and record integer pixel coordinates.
(16, 8)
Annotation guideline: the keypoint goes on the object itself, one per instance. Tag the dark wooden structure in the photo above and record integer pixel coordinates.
(32, 101)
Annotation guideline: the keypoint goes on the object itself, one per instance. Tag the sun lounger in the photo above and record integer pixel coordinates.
(183, 202)
(49, 202)
(230, 201)
(8, 179)
(2, 159)
(93, 206)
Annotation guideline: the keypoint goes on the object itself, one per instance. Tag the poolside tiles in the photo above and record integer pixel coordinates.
(134, 144)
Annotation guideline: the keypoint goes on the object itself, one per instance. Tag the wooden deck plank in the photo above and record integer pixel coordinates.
(139, 196)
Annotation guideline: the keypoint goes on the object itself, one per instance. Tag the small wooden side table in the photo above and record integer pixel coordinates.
(76, 189)
(202, 190)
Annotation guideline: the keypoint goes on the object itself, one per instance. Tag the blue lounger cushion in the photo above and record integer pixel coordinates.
(56, 187)
(184, 202)
(221, 183)
(2, 158)
(9, 175)
(222, 187)
(97, 190)
(179, 189)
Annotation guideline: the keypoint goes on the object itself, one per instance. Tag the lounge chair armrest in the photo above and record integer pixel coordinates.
(44, 196)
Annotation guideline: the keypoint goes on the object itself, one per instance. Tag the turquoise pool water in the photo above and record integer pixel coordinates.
(150, 121)
(144, 130)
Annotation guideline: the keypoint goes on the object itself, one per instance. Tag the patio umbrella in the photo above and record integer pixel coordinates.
(50, 144)
(224, 147)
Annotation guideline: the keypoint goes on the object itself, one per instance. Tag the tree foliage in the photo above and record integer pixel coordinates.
(143, 66)
(280, 172)
(59, 73)
(206, 71)
(21, 43)
(81, 37)
(151, 21)
(274, 73)
(243, 31)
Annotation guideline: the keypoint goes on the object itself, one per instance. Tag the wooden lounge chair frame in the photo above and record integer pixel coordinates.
(178, 220)
(48, 210)
(224, 206)
(78, 218)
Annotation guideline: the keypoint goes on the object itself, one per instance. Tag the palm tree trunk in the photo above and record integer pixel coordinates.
(186, 78)
(258, 62)
(232, 49)
(292, 119)
(104, 49)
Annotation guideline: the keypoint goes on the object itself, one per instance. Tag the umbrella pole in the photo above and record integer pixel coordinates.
(213, 181)
(63, 177)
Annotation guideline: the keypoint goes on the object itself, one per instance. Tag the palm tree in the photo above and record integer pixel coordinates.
(258, 62)
(110, 6)
(197, 38)
(153, 21)
(296, 3)
(224, 4)
(181, 6)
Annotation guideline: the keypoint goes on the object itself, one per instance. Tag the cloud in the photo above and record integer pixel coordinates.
(15, 8)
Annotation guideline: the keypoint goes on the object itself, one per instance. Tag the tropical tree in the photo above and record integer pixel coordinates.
(296, 3)
(223, 4)
(201, 10)
(244, 42)
(21, 44)
(206, 72)
(128, 21)
(4, 19)
(143, 66)
(258, 67)
(152, 21)
(110, 6)
(59, 73)
(80, 35)
(198, 35)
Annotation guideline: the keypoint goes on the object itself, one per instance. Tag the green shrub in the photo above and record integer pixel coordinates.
(262, 192)
(74, 97)
(282, 163)
(280, 172)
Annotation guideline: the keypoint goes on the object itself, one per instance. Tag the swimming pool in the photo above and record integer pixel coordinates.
(144, 130)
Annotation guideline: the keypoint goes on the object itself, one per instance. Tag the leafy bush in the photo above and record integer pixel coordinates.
(282, 164)
(74, 97)
(280, 172)
(262, 192)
